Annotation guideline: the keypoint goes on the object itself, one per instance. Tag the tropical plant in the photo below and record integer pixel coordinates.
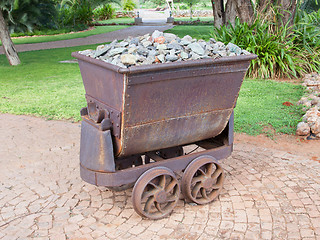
(104, 12)
(310, 5)
(129, 5)
(75, 12)
(283, 50)
(27, 15)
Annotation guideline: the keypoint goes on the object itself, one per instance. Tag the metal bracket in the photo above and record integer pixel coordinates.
(105, 112)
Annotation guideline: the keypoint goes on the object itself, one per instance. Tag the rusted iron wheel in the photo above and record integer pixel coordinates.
(156, 193)
(202, 180)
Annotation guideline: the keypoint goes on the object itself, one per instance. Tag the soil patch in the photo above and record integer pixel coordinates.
(292, 144)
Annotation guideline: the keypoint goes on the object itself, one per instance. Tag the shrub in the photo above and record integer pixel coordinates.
(282, 51)
(183, 7)
(78, 12)
(310, 5)
(129, 5)
(104, 12)
(29, 15)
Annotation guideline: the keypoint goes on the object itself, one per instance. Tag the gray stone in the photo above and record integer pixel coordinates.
(184, 55)
(195, 47)
(132, 50)
(169, 37)
(161, 57)
(113, 43)
(187, 38)
(128, 59)
(116, 60)
(149, 60)
(245, 52)
(143, 51)
(123, 44)
(315, 101)
(69, 61)
(315, 127)
(162, 47)
(134, 41)
(152, 53)
(215, 47)
(147, 43)
(220, 45)
(194, 56)
(174, 46)
(86, 52)
(156, 34)
(102, 50)
(140, 58)
(234, 48)
(303, 129)
(202, 43)
(116, 51)
(185, 42)
(212, 40)
(171, 57)
(222, 53)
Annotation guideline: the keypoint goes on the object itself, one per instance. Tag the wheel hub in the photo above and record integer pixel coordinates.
(161, 196)
(208, 183)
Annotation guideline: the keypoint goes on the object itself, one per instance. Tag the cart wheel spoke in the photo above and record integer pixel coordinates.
(153, 195)
(196, 179)
(205, 176)
(217, 173)
(162, 181)
(154, 185)
(158, 207)
(209, 169)
(216, 186)
(148, 205)
(204, 193)
(171, 185)
(202, 172)
(196, 190)
(148, 194)
(171, 198)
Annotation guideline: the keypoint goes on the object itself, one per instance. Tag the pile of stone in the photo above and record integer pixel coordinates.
(161, 47)
(310, 125)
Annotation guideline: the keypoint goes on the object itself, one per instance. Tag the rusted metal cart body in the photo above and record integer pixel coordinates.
(139, 120)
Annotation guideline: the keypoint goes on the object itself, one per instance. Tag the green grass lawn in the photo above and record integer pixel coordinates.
(193, 18)
(260, 107)
(50, 38)
(118, 20)
(42, 86)
(198, 32)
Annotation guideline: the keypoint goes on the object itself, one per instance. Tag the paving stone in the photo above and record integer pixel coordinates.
(267, 194)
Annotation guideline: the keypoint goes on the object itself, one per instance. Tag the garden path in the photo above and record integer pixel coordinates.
(268, 193)
(94, 39)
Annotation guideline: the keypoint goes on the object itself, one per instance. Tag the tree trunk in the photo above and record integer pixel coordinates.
(242, 9)
(7, 43)
(287, 10)
(218, 13)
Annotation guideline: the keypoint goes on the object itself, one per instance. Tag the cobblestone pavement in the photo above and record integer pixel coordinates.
(94, 39)
(268, 194)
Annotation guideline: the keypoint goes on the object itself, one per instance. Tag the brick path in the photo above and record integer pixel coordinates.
(268, 194)
(94, 39)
